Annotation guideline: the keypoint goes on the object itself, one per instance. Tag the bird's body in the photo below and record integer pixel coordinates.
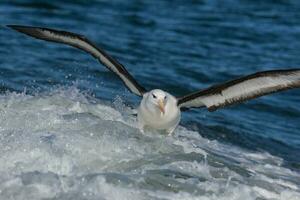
(160, 110)
(149, 114)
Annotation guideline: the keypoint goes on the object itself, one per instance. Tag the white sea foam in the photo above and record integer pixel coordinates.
(64, 145)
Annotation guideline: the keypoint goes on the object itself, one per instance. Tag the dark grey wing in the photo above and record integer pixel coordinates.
(84, 44)
(242, 89)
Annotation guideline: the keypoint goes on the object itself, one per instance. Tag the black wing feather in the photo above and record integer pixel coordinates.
(86, 45)
(242, 89)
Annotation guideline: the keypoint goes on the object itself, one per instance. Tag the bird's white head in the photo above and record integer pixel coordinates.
(158, 98)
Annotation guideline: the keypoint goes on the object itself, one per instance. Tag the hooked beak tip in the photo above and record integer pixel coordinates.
(161, 106)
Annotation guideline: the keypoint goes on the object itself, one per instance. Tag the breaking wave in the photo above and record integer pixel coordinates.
(69, 145)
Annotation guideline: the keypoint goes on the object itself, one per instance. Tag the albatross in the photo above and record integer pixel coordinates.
(161, 110)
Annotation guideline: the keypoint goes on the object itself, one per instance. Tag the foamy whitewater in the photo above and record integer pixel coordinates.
(68, 145)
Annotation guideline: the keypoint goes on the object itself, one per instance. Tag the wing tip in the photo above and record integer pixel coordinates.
(18, 27)
(28, 30)
(13, 26)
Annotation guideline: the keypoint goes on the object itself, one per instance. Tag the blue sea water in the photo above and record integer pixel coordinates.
(67, 129)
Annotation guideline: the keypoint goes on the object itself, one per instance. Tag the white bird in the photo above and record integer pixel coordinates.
(161, 110)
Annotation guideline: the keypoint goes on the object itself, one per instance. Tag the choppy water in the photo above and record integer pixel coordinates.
(67, 129)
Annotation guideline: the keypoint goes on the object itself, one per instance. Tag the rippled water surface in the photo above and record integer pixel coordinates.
(67, 125)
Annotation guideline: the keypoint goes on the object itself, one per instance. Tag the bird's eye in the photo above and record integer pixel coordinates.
(154, 96)
(165, 97)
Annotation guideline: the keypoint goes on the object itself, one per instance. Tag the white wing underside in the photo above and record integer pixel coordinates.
(232, 92)
(244, 90)
(82, 43)
(96, 53)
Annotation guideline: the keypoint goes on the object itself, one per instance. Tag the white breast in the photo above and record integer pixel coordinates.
(150, 116)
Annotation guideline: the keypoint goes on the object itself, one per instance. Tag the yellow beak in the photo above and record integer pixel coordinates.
(161, 106)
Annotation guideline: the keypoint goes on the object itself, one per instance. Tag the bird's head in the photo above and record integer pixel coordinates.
(159, 99)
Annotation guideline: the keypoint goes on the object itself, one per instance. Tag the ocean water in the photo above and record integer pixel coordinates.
(67, 125)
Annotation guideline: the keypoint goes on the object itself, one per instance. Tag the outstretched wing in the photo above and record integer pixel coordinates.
(242, 89)
(84, 44)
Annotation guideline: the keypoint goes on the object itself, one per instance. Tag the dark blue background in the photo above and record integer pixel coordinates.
(178, 46)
